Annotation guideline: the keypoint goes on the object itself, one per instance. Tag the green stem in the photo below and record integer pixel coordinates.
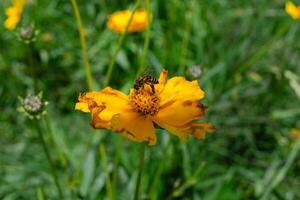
(52, 141)
(141, 167)
(119, 45)
(40, 194)
(83, 45)
(31, 66)
(50, 162)
(147, 39)
(105, 167)
(102, 4)
(116, 163)
(159, 171)
(48, 127)
(186, 37)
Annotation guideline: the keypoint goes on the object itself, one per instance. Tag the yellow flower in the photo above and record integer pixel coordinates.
(171, 104)
(14, 14)
(292, 10)
(118, 21)
(294, 134)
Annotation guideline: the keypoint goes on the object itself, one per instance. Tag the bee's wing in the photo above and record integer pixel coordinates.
(146, 71)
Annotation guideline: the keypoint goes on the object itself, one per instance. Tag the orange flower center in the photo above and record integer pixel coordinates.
(144, 101)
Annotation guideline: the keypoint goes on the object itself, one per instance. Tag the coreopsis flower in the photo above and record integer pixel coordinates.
(170, 104)
(14, 14)
(294, 134)
(118, 21)
(292, 10)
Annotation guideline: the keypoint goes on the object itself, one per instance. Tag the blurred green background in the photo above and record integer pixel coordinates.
(248, 53)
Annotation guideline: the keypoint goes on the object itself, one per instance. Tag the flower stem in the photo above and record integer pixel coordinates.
(105, 167)
(50, 162)
(187, 36)
(31, 66)
(159, 170)
(119, 45)
(141, 167)
(116, 163)
(147, 39)
(83, 45)
(52, 141)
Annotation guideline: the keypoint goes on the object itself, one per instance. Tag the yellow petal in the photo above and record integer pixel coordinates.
(292, 10)
(12, 11)
(197, 129)
(11, 23)
(102, 105)
(172, 129)
(178, 88)
(134, 126)
(163, 77)
(19, 3)
(118, 21)
(82, 106)
(140, 21)
(161, 81)
(180, 112)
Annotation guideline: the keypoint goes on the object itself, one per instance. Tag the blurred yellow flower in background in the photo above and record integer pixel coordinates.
(292, 10)
(170, 104)
(14, 14)
(294, 134)
(118, 21)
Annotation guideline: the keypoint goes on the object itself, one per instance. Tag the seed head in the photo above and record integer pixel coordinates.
(195, 71)
(33, 106)
(27, 34)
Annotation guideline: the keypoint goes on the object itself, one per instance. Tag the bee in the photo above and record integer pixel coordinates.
(145, 79)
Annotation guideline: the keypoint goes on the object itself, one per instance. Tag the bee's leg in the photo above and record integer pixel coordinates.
(152, 87)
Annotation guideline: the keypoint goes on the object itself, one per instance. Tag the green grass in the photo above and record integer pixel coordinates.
(249, 54)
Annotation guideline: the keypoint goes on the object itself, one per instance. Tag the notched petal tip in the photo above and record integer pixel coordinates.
(199, 130)
(163, 76)
(179, 113)
(82, 107)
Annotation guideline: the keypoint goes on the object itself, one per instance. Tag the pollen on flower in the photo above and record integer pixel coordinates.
(144, 101)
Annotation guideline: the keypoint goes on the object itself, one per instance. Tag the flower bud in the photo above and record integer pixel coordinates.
(27, 34)
(33, 104)
(195, 71)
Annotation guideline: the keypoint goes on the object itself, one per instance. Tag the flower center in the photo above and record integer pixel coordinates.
(144, 100)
